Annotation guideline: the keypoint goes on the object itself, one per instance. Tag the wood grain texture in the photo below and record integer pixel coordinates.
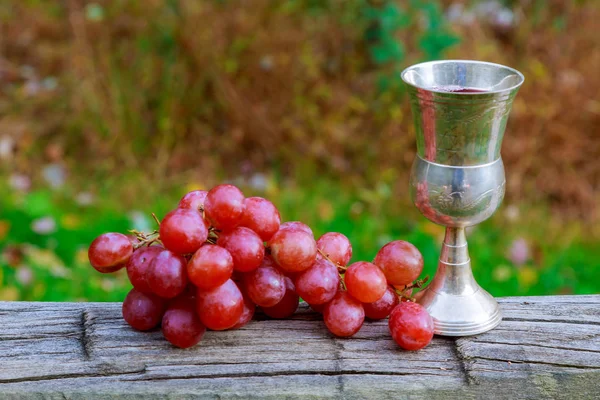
(546, 347)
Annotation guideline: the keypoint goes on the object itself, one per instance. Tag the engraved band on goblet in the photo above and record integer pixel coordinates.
(457, 196)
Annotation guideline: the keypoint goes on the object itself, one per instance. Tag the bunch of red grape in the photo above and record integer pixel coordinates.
(218, 255)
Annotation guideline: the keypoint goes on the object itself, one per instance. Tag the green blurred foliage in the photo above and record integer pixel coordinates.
(386, 19)
(298, 101)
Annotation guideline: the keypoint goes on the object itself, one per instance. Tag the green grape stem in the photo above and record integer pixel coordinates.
(418, 284)
(156, 219)
(145, 238)
(341, 268)
(213, 236)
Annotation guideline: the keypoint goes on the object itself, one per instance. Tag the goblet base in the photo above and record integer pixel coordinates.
(458, 305)
(461, 315)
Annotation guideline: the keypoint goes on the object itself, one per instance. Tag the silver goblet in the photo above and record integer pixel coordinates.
(460, 109)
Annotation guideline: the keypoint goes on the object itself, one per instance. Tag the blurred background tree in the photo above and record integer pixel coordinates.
(112, 109)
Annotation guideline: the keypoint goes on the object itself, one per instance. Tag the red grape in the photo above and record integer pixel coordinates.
(224, 206)
(400, 261)
(261, 216)
(142, 311)
(237, 276)
(188, 295)
(137, 267)
(381, 308)
(265, 286)
(211, 266)
(318, 307)
(183, 231)
(245, 246)
(247, 314)
(288, 305)
(296, 225)
(319, 283)
(181, 325)
(411, 326)
(220, 308)
(365, 281)
(336, 246)
(344, 315)
(166, 275)
(293, 250)
(110, 252)
(193, 200)
(269, 262)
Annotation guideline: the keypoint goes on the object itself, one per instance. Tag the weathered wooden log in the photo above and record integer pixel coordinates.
(546, 347)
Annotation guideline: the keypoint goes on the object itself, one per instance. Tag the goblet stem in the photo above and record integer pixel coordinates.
(458, 305)
(454, 272)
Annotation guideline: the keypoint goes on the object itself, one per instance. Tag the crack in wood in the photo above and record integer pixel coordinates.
(551, 321)
(70, 376)
(462, 359)
(85, 324)
(204, 364)
(276, 374)
(531, 362)
(40, 337)
(536, 345)
(337, 354)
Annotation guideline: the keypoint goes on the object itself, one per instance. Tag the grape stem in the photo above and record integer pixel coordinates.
(144, 238)
(341, 268)
(156, 219)
(326, 256)
(403, 294)
(213, 236)
(416, 284)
